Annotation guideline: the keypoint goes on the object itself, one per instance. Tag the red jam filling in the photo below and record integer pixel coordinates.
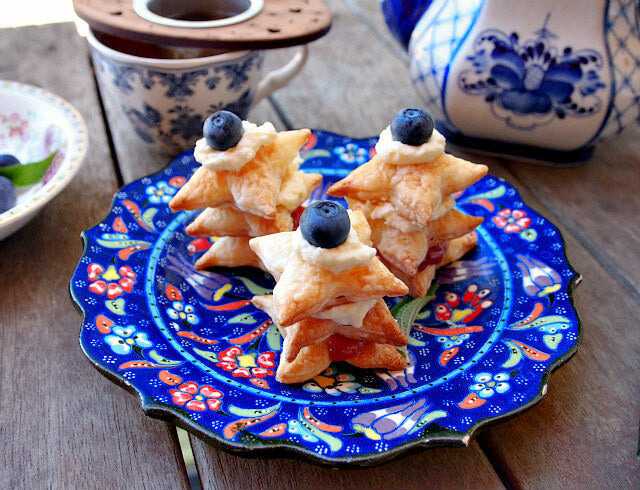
(341, 348)
(296, 217)
(434, 255)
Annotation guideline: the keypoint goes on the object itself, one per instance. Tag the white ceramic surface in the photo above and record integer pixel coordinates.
(167, 100)
(545, 79)
(33, 124)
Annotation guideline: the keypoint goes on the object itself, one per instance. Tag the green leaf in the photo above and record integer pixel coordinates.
(252, 412)
(147, 217)
(274, 339)
(163, 360)
(29, 173)
(253, 287)
(211, 356)
(406, 312)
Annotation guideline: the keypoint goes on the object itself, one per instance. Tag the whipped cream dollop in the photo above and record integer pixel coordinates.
(253, 138)
(397, 153)
(348, 255)
(350, 314)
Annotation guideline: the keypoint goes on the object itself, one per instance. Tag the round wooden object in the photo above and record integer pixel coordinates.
(280, 23)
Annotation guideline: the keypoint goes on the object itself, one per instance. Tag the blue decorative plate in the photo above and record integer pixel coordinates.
(198, 353)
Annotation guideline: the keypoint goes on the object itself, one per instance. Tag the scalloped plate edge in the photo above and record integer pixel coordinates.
(275, 449)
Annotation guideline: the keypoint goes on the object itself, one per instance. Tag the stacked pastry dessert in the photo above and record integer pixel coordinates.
(328, 297)
(405, 192)
(249, 183)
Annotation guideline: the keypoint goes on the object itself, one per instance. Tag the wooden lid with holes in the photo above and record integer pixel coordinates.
(279, 23)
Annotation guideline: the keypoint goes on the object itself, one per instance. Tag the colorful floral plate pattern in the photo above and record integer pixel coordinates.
(198, 353)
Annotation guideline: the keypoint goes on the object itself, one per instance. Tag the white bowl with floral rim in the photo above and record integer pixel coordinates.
(34, 123)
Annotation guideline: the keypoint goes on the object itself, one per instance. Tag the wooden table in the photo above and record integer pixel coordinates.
(63, 425)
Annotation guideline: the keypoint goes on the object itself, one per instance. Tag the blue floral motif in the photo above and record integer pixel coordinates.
(538, 279)
(143, 121)
(125, 338)
(487, 385)
(239, 107)
(123, 76)
(237, 74)
(531, 83)
(333, 383)
(184, 312)
(352, 153)
(149, 118)
(179, 87)
(212, 82)
(161, 192)
(186, 124)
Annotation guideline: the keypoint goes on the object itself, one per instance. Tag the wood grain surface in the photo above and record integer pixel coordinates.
(61, 423)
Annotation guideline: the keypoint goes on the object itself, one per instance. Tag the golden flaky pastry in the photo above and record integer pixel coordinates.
(253, 189)
(406, 251)
(378, 326)
(229, 252)
(416, 191)
(231, 222)
(228, 221)
(385, 211)
(419, 284)
(304, 289)
(314, 359)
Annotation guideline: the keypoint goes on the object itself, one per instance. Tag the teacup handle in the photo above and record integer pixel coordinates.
(282, 76)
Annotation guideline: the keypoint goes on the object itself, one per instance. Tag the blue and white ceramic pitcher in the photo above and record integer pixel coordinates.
(545, 79)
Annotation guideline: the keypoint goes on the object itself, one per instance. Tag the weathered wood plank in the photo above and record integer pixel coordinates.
(61, 423)
(433, 468)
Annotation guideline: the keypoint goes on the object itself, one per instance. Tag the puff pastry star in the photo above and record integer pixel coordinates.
(229, 251)
(416, 190)
(304, 289)
(378, 326)
(420, 283)
(227, 221)
(253, 189)
(314, 359)
(406, 251)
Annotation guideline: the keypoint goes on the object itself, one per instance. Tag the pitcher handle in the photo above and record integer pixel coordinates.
(282, 76)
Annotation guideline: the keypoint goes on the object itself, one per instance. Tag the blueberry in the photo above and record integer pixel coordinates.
(6, 160)
(8, 196)
(325, 224)
(222, 130)
(412, 127)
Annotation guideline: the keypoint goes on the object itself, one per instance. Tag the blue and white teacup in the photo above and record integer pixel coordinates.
(167, 93)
